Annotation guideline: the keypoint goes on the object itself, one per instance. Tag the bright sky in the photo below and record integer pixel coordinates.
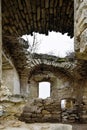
(54, 43)
(44, 90)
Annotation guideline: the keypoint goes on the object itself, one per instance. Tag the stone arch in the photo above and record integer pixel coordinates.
(60, 79)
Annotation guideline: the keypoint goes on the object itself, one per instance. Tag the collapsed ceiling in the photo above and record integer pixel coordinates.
(21, 17)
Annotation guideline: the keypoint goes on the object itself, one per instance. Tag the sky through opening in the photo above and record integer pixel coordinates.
(54, 44)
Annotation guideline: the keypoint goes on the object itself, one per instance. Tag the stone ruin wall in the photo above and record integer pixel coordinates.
(49, 110)
(63, 88)
(80, 33)
(80, 28)
(40, 110)
(84, 105)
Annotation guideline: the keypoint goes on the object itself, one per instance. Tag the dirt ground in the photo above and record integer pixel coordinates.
(18, 125)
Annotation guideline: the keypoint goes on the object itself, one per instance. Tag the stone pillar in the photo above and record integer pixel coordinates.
(33, 87)
(80, 28)
(0, 44)
(24, 85)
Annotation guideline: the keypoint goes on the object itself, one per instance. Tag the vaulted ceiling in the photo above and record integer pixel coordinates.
(21, 17)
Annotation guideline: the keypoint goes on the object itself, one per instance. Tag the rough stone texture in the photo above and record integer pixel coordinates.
(4, 92)
(84, 105)
(39, 110)
(70, 112)
(12, 106)
(49, 110)
(32, 16)
(80, 20)
(64, 75)
(59, 87)
(24, 85)
(55, 70)
(0, 45)
(67, 78)
(39, 66)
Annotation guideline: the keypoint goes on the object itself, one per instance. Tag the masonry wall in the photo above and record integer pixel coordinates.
(80, 95)
(50, 110)
(80, 34)
(39, 110)
(84, 104)
(80, 28)
(61, 87)
(0, 43)
(24, 86)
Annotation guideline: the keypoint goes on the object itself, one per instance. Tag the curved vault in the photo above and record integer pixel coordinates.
(21, 17)
(44, 72)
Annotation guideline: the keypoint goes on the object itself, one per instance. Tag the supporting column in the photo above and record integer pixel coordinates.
(0, 44)
(80, 28)
(33, 88)
(24, 85)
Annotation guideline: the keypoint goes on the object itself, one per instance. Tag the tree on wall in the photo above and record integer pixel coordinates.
(33, 47)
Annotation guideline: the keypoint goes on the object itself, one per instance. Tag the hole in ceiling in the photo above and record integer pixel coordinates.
(55, 44)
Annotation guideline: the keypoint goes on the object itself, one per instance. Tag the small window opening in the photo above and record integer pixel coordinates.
(44, 90)
(67, 103)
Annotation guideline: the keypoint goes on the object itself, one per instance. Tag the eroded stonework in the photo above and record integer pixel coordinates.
(80, 28)
(22, 71)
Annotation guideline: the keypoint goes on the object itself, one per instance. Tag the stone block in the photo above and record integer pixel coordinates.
(45, 112)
